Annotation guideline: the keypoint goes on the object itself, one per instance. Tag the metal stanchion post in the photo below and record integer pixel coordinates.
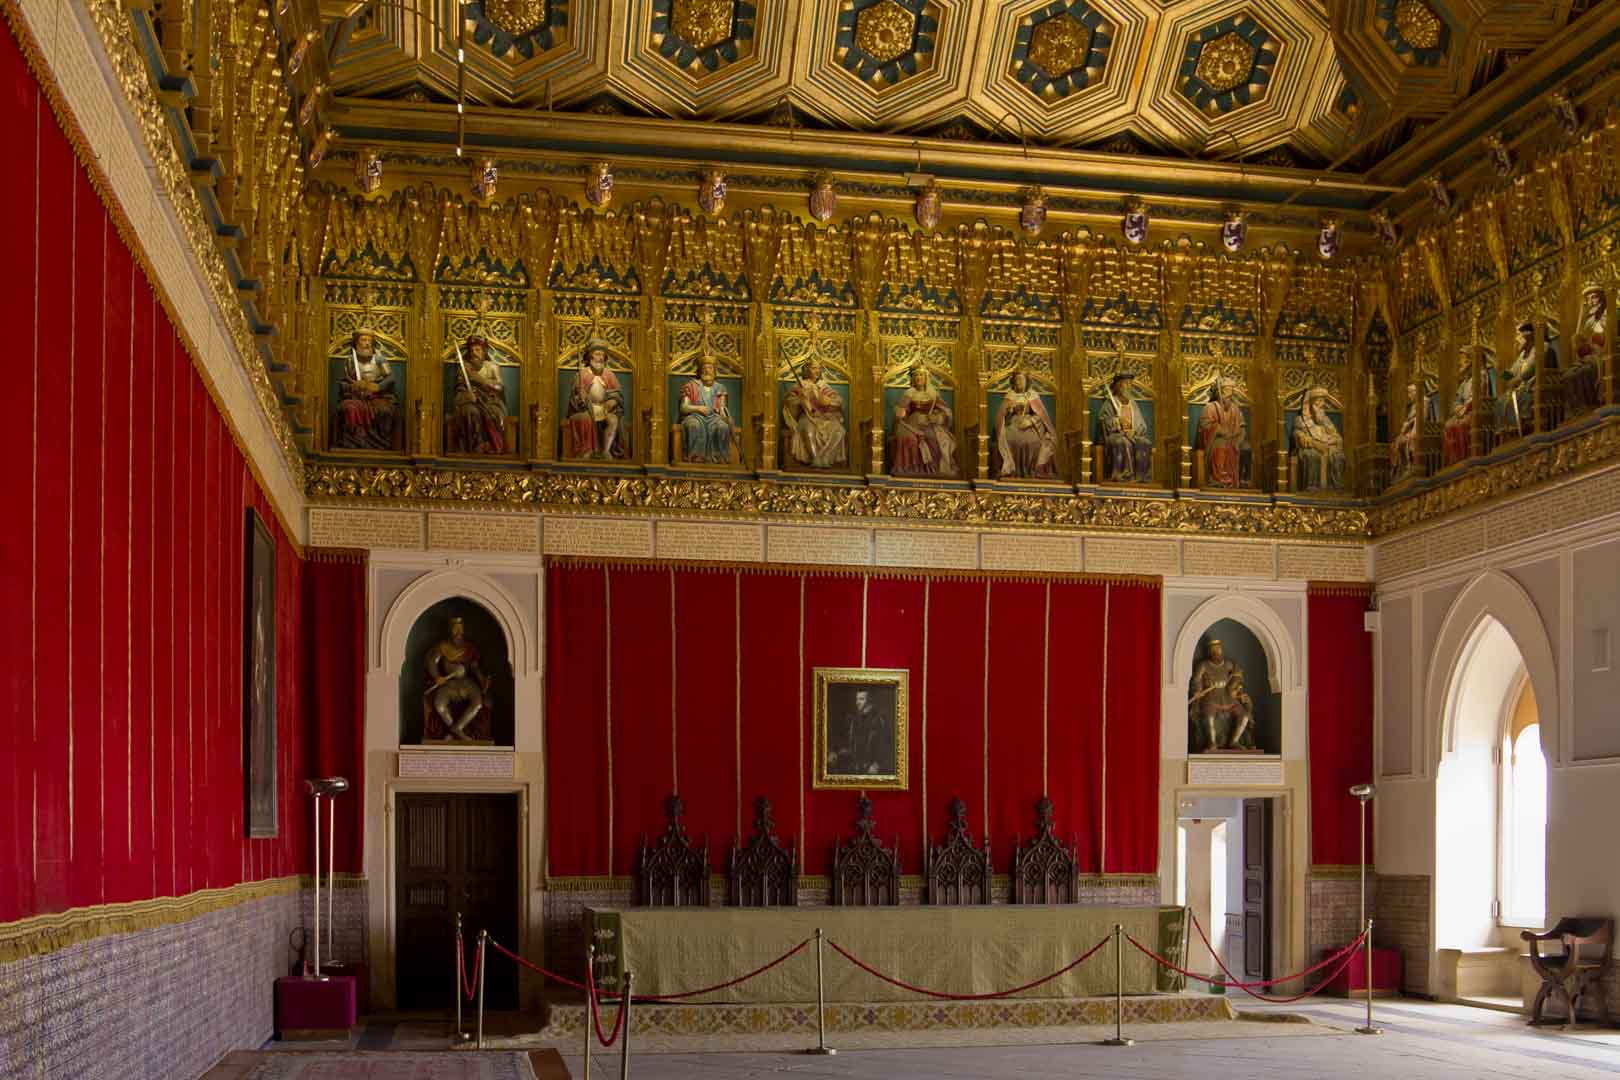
(624, 1035)
(483, 939)
(1366, 947)
(460, 947)
(821, 1046)
(317, 972)
(1119, 1038)
(590, 976)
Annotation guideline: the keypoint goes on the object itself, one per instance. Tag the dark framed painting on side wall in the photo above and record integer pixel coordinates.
(860, 729)
(259, 678)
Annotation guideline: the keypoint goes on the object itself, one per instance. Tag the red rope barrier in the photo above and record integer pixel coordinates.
(596, 1015)
(461, 967)
(657, 998)
(1082, 958)
(1348, 951)
(1345, 955)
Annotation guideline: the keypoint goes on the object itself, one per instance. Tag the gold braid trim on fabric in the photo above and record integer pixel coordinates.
(337, 555)
(41, 935)
(592, 562)
(1363, 589)
(90, 163)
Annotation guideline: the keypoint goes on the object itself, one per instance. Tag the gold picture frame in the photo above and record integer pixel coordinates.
(860, 729)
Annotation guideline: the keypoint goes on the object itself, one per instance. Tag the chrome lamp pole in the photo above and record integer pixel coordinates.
(329, 786)
(1364, 793)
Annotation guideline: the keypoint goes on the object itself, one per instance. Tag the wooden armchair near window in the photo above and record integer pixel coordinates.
(1568, 976)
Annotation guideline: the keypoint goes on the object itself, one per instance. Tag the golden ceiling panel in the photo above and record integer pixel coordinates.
(1298, 82)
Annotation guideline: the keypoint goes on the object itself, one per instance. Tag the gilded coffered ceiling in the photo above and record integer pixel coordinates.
(1280, 82)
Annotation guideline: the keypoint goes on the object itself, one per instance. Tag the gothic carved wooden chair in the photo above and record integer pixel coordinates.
(1044, 871)
(674, 872)
(1567, 976)
(763, 873)
(864, 872)
(957, 872)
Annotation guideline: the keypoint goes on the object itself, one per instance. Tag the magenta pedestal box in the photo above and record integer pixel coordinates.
(315, 1008)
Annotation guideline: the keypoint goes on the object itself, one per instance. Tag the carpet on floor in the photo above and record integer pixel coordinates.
(392, 1065)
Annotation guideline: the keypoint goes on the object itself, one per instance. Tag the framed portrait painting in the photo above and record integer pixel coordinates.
(860, 728)
(259, 678)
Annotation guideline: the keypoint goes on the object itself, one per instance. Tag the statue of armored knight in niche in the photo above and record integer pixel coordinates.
(1220, 712)
(458, 690)
(367, 407)
(478, 420)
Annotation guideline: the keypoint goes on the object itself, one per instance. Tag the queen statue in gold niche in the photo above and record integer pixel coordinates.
(1026, 441)
(921, 442)
(813, 416)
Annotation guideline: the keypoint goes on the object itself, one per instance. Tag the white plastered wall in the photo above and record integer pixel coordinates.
(1556, 597)
(401, 586)
(1276, 613)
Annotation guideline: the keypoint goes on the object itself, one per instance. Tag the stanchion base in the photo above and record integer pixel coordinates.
(1117, 1042)
(822, 1051)
(462, 1037)
(1369, 1031)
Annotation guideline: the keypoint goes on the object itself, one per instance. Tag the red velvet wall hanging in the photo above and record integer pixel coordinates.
(700, 680)
(1341, 719)
(121, 697)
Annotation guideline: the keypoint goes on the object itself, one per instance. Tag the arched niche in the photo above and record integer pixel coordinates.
(1491, 597)
(484, 666)
(1281, 654)
(1250, 689)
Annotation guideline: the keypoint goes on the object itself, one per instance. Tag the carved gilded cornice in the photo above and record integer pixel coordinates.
(159, 119)
(768, 499)
(1529, 467)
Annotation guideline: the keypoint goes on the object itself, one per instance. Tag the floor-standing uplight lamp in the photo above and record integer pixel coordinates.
(1364, 792)
(331, 787)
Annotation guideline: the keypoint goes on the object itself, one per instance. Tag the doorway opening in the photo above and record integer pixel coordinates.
(1490, 820)
(1225, 860)
(456, 854)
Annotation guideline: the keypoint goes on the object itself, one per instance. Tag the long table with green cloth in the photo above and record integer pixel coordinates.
(954, 950)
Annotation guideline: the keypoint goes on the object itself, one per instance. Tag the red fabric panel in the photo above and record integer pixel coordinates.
(1074, 736)
(832, 638)
(86, 381)
(1131, 751)
(955, 747)
(643, 720)
(894, 625)
(1013, 681)
(578, 781)
(707, 670)
(1339, 660)
(123, 714)
(772, 765)
(19, 206)
(333, 691)
(118, 735)
(52, 462)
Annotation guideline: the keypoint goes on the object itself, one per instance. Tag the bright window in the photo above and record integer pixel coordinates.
(1524, 827)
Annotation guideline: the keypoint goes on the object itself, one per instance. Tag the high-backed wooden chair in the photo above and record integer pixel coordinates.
(763, 873)
(674, 872)
(1567, 976)
(957, 872)
(1044, 871)
(864, 872)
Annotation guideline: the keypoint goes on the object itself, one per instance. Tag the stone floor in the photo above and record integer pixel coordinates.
(1420, 1041)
